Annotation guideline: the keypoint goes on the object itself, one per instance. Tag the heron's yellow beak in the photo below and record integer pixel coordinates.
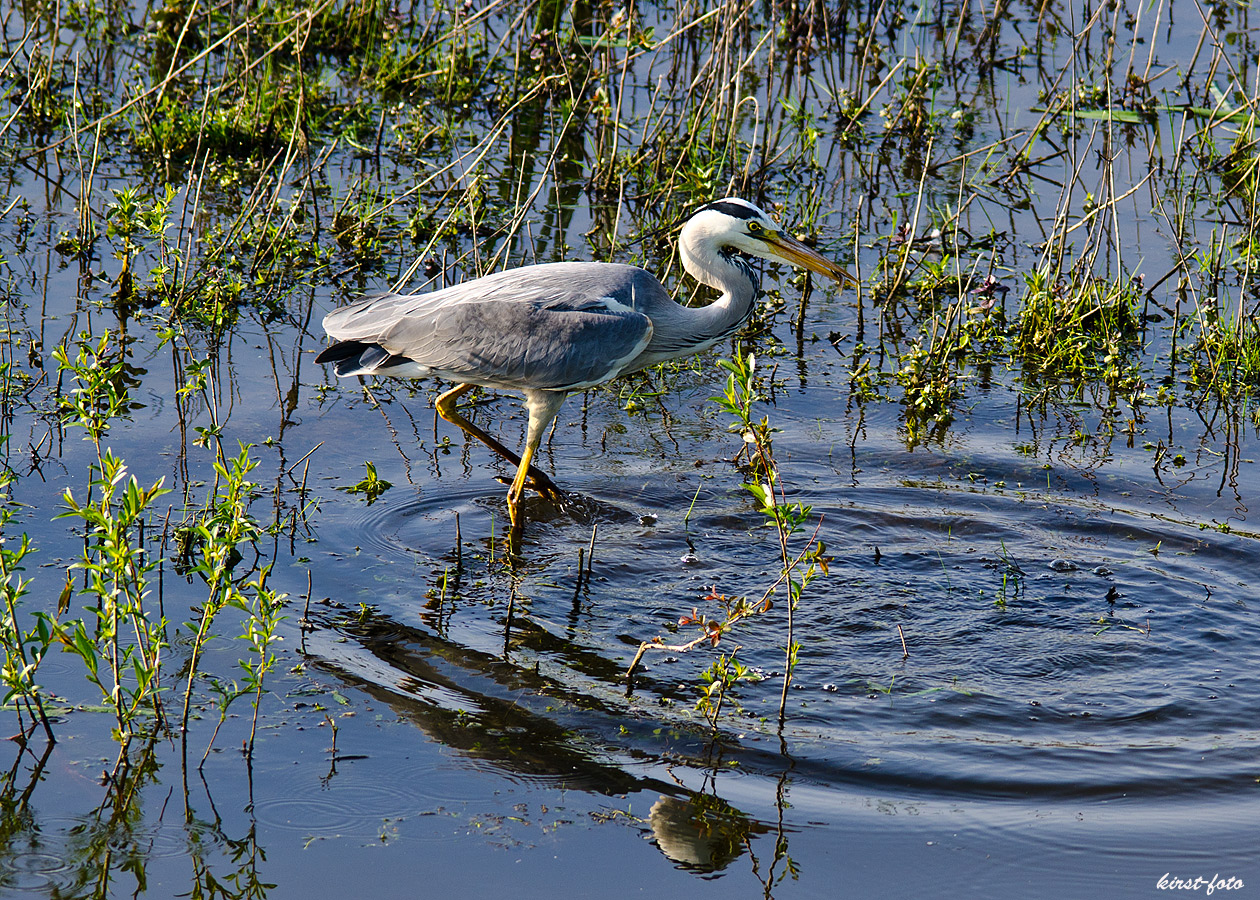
(793, 251)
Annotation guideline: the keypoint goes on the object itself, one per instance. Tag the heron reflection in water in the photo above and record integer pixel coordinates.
(548, 330)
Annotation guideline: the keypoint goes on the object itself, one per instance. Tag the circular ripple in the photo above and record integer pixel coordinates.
(423, 524)
(357, 800)
(31, 872)
(312, 815)
(1018, 677)
(169, 841)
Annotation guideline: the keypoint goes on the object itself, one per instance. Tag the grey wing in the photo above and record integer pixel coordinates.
(562, 326)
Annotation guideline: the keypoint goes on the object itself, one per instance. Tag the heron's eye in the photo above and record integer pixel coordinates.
(754, 228)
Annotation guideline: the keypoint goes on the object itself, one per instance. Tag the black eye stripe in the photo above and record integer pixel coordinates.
(734, 210)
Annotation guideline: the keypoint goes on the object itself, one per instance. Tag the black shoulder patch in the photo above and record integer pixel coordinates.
(733, 209)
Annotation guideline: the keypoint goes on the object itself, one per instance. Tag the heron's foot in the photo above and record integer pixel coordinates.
(516, 503)
(541, 482)
(515, 513)
(547, 490)
(541, 485)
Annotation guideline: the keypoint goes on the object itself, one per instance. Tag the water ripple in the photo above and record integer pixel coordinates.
(1054, 648)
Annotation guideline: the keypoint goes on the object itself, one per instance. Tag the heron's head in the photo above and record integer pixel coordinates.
(737, 226)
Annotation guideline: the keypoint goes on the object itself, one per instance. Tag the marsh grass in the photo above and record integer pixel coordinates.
(1225, 359)
(1079, 328)
(247, 164)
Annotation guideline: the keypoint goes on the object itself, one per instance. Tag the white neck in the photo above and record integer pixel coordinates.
(683, 331)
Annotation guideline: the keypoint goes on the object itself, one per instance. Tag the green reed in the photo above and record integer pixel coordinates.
(800, 561)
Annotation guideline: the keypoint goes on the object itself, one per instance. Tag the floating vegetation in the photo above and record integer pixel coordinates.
(371, 487)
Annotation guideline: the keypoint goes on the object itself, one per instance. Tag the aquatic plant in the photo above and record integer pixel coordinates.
(261, 607)
(24, 650)
(799, 564)
(121, 645)
(211, 549)
(723, 674)
(1079, 328)
(123, 640)
(371, 486)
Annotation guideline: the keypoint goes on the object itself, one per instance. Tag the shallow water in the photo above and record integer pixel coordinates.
(1075, 713)
(1032, 670)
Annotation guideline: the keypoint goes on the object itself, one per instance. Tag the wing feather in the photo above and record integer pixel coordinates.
(560, 326)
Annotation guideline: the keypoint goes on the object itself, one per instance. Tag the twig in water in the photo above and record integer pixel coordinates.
(306, 624)
(590, 552)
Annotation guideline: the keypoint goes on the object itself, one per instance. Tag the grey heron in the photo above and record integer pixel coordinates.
(548, 330)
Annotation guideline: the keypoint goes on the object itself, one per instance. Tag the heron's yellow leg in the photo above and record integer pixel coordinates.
(538, 479)
(542, 407)
(518, 485)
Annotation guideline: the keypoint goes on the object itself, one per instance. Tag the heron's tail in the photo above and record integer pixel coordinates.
(356, 358)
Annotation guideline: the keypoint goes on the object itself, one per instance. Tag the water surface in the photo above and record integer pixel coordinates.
(1032, 668)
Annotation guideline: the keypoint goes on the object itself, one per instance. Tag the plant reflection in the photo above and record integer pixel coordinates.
(108, 850)
(244, 855)
(106, 842)
(790, 867)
